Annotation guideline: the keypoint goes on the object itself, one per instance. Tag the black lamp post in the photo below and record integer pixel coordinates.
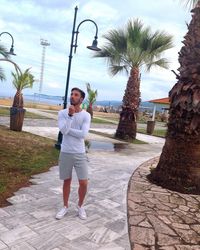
(11, 52)
(73, 47)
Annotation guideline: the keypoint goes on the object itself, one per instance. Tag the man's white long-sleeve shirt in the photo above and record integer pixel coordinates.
(74, 130)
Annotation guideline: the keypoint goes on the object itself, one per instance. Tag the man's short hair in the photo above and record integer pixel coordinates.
(80, 91)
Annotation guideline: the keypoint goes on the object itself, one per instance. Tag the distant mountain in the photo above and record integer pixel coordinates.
(58, 100)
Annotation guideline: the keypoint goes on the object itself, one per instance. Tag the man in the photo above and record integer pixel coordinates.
(74, 124)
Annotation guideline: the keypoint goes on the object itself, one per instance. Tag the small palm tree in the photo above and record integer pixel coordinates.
(21, 80)
(131, 49)
(3, 52)
(92, 96)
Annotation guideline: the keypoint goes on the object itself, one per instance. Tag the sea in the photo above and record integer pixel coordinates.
(58, 100)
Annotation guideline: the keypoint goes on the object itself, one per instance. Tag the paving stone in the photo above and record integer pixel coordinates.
(165, 219)
(3, 228)
(145, 224)
(181, 226)
(166, 240)
(22, 246)
(162, 197)
(136, 198)
(141, 236)
(118, 226)
(188, 236)
(3, 213)
(177, 200)
(171, 205)
(184, 208)
(135, 220)
(18, 220)
(196, 228)
(162, 207)
(20, 198)
(2, 245)
(73, 230)
(159, 226)
(19, 233)
(140, 247)
(81, 243)
(189, 220)
(47, 241)
(123, 241)
(103, 235)
(187, 247)
(111, 246)
(167, 248)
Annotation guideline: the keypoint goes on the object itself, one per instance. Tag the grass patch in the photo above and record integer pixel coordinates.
(157, 132)
(136, 141)
(5, 111)
(101, 121)
(22, 155)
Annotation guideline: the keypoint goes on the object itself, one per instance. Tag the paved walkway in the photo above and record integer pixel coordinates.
(29, 223)
(160, 219)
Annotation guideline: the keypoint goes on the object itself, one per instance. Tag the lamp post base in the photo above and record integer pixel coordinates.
(59, 141)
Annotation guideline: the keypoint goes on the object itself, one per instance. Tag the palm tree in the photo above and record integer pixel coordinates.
(179, 165)
(21, 80)
(3, 52)
(92, 96)
(130, 50)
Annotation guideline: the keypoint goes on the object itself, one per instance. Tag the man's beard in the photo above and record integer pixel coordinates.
(74, 103)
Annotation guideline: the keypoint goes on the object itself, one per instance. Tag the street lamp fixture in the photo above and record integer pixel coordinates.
(11, 52)
(73, 48)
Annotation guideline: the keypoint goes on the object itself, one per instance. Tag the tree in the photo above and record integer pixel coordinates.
(3, 52)
(21, 80)
(132, 49)
(91, 99)
(179, 164)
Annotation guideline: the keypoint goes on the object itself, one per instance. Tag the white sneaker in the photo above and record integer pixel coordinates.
(81, 213)
(61, 213)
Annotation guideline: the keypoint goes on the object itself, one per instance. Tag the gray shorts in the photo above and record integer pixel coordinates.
(66, 163)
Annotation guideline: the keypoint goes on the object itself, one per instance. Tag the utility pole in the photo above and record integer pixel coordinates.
(44, 44)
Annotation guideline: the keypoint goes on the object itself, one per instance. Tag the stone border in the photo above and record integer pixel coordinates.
(159, 218)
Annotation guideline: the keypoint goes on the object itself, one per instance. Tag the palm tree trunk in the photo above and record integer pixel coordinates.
(17, 112)
(128, 117)
(179, 165)
(18, 101)
(90, 110)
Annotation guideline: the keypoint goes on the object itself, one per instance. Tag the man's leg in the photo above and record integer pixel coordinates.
(82, 191)
(66, 191)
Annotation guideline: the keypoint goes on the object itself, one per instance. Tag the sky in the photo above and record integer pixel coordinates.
(31, 20)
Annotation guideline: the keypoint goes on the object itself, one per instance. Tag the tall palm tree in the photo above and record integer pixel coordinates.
(132, 49)
(91, 99)
(21, 80)
(179, 165)
(3, 52)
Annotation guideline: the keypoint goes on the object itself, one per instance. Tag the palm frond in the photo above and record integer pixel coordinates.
(4, 51)
(189, 3)
(115, 69)
(134, 46)
(163, 63)
(92, 95)
(23, 80)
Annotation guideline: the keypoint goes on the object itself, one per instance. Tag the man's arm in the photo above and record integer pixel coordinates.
(64, 122)
(84, 129)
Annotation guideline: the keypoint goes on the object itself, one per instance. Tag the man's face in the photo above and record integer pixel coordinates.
(75, 98)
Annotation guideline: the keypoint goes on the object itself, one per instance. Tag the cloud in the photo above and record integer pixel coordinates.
(30, 20)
